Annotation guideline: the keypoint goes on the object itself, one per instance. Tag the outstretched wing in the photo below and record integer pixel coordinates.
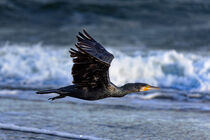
(91, 63)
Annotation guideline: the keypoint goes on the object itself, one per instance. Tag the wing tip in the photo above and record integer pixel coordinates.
(88, 35)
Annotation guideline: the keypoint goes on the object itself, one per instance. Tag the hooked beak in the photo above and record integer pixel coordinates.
(150, 88)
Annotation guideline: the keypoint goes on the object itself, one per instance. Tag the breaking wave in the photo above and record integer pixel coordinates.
(37, 66)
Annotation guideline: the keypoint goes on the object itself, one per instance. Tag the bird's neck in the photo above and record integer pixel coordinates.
(115, 91)
(128, 88)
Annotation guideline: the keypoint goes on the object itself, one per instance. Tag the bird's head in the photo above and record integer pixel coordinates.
(138, 87)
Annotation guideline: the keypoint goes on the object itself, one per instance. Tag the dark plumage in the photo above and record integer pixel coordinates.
(91, 73)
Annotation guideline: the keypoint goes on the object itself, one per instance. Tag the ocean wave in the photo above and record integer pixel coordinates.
(14, 127)
(37, 66)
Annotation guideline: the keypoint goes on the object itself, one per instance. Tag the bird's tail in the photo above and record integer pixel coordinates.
(47, 91)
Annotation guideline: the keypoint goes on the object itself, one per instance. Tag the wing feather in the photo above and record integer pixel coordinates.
(91, 62)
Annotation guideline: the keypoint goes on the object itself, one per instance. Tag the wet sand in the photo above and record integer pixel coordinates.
(103, 121)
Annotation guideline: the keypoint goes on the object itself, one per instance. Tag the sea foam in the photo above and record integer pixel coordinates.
(37, 66)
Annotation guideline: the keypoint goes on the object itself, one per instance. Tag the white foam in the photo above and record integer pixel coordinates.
(8, 92)
(29, 65)
(14, 127)
(163, 68)
(38, 66)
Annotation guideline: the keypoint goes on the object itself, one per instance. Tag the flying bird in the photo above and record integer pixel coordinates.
(90, 73)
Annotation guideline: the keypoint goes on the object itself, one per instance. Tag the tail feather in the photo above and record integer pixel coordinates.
(47, 91)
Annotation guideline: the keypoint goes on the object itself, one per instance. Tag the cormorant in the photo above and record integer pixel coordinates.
(91, 73)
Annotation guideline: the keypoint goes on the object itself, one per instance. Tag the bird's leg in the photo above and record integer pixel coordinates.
(57, 97)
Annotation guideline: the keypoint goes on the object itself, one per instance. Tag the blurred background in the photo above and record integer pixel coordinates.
(160, 42)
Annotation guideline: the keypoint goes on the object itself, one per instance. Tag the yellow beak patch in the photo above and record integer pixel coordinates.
(146, 88)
